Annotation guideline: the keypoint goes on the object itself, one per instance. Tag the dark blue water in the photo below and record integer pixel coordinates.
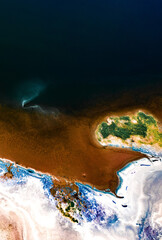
(80, 50)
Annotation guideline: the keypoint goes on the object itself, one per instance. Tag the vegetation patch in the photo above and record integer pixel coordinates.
(125, 127)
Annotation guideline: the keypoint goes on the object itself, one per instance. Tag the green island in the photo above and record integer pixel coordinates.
(139, 128)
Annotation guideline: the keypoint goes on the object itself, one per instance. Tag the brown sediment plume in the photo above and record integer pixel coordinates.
(62, 147)
(66, 147)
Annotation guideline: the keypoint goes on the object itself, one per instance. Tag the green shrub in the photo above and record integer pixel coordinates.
(104, 129)
(123, 133)
(139, 129)
(125, 118)
(112, 127)
(146, 119)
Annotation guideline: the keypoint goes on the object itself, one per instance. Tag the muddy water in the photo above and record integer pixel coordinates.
(64, 147)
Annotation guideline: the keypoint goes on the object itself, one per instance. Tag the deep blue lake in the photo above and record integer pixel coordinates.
(80, 50)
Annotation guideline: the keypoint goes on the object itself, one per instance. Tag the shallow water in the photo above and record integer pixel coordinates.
(62, 146)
